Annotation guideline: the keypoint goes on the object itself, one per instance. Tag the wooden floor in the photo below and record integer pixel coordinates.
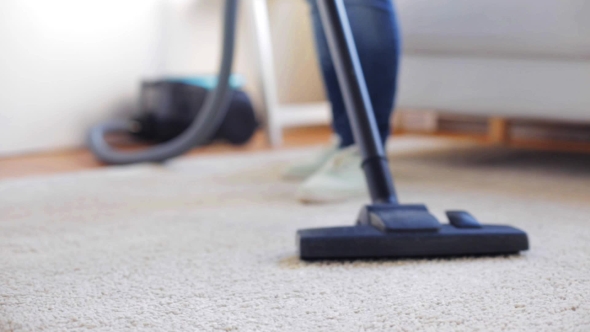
(82, 159)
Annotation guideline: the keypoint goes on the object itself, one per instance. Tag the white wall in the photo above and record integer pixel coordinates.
(67, 63)
(297, 71)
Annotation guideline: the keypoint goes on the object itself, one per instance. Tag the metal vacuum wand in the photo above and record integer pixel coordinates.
(356, 98)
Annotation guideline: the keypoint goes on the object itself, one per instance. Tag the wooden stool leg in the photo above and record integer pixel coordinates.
(498, 130)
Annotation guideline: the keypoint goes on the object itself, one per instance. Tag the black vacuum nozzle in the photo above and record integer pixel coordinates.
(397, 231)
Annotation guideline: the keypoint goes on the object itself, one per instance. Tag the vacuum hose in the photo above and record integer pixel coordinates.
(201, 129)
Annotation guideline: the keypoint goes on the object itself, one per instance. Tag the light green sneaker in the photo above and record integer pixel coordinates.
(304, 169)
(341, 178)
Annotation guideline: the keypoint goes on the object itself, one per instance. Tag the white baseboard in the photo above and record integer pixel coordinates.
(305, 114)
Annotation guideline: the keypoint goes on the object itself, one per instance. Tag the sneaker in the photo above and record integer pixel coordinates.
(339, 179)
(306, 168)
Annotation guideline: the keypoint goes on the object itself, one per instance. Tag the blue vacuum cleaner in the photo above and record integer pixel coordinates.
(385, 228)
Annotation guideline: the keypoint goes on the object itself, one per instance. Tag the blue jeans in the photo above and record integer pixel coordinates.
(376, 34)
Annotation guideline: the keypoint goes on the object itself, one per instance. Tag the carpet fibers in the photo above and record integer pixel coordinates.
(208, 244)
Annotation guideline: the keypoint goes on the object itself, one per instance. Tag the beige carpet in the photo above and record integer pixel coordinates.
(208, 244)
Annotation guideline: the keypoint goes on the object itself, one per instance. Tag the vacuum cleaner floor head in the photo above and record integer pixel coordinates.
(399, 231)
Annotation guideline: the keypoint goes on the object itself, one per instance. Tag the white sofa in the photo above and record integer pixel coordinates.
(517, 58)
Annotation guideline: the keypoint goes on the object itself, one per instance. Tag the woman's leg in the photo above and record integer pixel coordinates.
(375, 30)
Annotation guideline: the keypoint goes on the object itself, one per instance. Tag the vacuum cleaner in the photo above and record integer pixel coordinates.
(168, 107)
(386, 228)
(177, 139)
